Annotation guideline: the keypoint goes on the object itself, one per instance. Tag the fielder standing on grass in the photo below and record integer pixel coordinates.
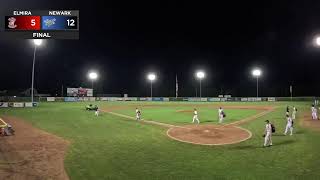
(267, 135)
(314, 112)
(294, 112)
(221, 115)
(287, 111)
(289, 126)
(195, 116)
(138, 114)
(97, 111)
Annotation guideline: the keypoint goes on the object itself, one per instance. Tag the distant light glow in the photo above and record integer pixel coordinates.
(93, 75)
(151, 76)
(256, 72)
(200, 74)
(37, 42)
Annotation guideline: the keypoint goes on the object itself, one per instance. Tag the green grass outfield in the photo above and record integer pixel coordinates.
(113, 147)
(182, 114)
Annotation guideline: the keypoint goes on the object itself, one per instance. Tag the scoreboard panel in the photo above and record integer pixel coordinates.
(42, 24)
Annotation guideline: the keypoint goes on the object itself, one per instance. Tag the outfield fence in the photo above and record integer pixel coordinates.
(25, 101)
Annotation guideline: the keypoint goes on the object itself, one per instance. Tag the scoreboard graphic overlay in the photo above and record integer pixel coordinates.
(42, 24)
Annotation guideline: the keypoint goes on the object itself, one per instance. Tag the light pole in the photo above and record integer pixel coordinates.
(257, 73)
(151, 77)
(36, 42)
(92, 76)
(200, 75)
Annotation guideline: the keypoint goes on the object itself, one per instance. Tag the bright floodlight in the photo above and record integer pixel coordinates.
(151, 76)
(256, 72)
(318, 41)
(37, 42)
(93, 75)
(200, 74)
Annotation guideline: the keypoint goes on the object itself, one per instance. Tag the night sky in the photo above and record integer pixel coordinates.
(125, 40)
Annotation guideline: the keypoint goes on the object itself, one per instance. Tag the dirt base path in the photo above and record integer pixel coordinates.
(31, 154)
(308, 122)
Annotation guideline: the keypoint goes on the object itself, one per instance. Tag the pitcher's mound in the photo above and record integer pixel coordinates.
(209, 134)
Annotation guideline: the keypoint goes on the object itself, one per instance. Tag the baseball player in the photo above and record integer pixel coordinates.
(314, 112)
(287, 111)
(294, 112)
(138, 114)
(195, 116)
(289, 126)
(221, 115)
(268, 134)
(97, 111)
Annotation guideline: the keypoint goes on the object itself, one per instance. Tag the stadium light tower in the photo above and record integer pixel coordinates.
(257, 73)
(151, 77)
(200, 75)
(36, 42)
(92, 76)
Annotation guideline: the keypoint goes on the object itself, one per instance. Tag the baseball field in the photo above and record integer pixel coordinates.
(64, 141)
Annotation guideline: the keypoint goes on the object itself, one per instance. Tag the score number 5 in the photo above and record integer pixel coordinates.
(33, 22)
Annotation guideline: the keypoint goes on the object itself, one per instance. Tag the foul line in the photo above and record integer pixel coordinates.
(4, 123)
(247, 119)
(142, 120)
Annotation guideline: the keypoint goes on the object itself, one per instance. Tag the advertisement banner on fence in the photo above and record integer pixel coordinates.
(271, 99)
(16, 104)
(204, 99)
(51, 99)
(28, 104)
(70, 99)
(223, 99)
(133, 98)
(142, 99)
(244, 99)
(157, 99)
(119, 99)
(194, 99)
(166, 99)
(4, 104)
(254, 99)
(214, 99)
(92, 99)
(230, 99)
(104, 99)
(83, 99)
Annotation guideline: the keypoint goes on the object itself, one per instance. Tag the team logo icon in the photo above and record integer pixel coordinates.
(12, 22)
(49, 22)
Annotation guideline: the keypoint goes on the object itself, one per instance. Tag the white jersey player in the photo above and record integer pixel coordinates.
(314, 112)
(96, 113)
(289, 126)
(294, 112)
(138, 114)
(195, 116)
(221, 115)
(268, 134)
